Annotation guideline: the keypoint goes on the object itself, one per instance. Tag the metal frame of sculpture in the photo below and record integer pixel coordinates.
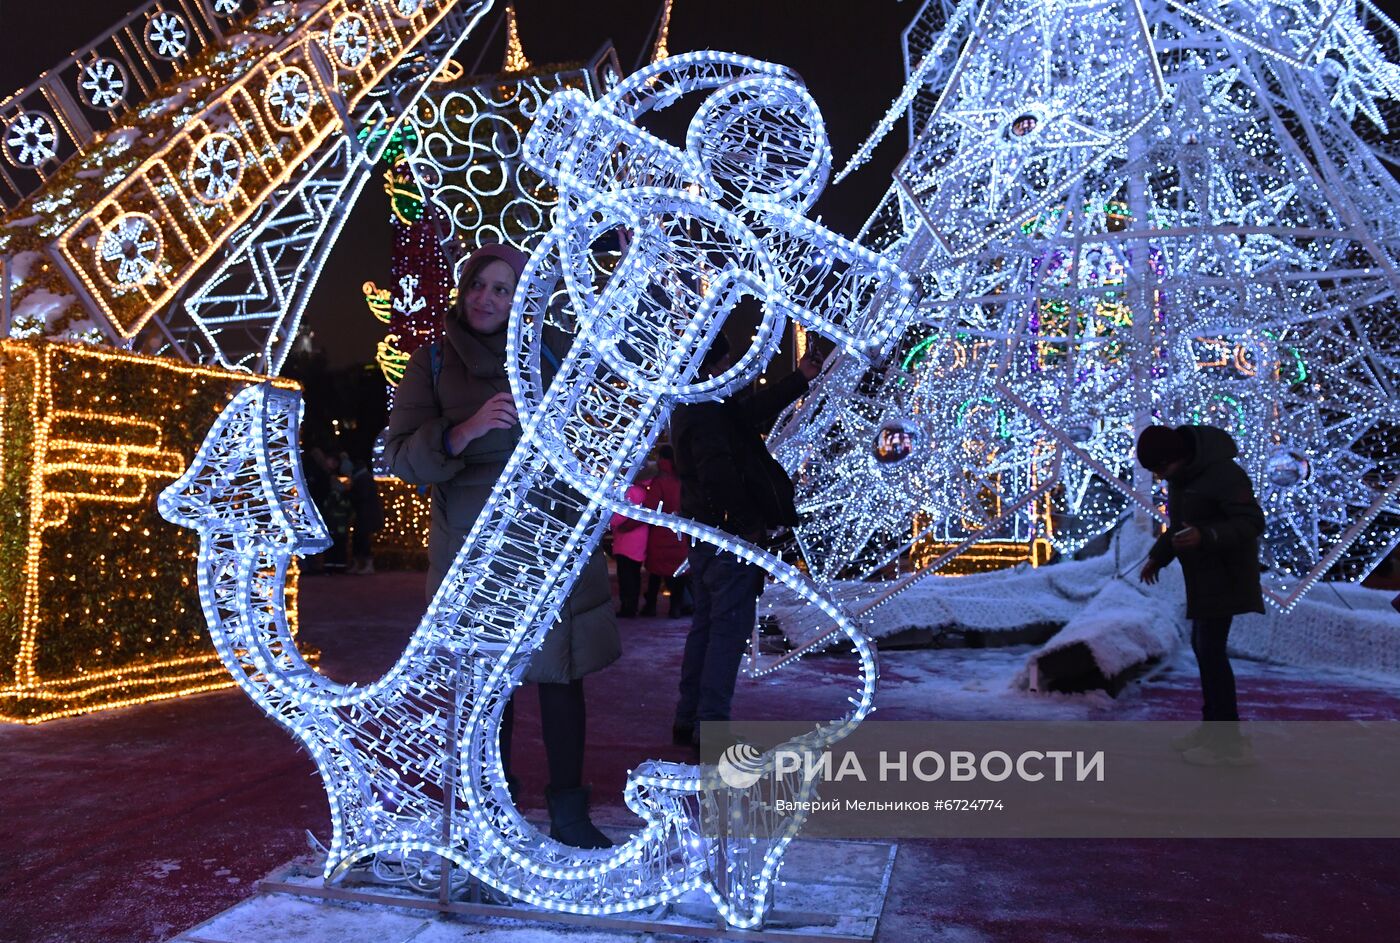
(214, 217)
(411, 762)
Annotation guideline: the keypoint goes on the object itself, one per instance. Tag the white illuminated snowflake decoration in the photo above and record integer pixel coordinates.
(411, 761)
(227, 7)
(1288, 29)
(1022, 116)
(288, 98)
(408, 7)
(129, 249)
(102, 83)
(350, 40)
(167, 35)
(216, 167)
(31, 139)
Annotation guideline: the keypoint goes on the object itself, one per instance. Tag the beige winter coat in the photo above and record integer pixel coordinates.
(585, 638)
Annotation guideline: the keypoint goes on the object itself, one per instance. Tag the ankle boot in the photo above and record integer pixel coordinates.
(568, 819)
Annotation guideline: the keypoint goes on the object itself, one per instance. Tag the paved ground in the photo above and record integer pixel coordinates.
(136, 824)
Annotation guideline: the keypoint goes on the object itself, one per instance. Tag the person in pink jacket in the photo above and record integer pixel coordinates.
(666, 549)
(629, 546)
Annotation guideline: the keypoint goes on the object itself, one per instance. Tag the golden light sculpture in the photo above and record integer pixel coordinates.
(97, 606)
(132, 217)
(662, 47)
(402, 543)
(516, 60)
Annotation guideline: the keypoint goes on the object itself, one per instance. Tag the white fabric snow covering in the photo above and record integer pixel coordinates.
(999, 600)
(1122, 627)
(1101, 605)
(1337, 625)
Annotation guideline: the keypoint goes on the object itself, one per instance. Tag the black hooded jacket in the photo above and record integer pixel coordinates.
(1214, 494)
(728, 479)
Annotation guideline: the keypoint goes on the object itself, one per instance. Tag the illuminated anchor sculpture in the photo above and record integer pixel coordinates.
(411, 762)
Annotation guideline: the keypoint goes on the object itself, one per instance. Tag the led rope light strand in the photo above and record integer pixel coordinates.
(1204, 257)
(632, 357)
(90, 437)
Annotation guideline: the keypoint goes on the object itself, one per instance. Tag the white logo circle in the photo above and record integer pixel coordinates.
(740, 766)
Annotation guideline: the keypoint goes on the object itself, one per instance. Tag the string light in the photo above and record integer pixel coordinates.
(661, 48)
(730, 226)
(1155, 222)
(99, 609)
(516, 60)
(238, 121)
(403, 540)
(455, 195)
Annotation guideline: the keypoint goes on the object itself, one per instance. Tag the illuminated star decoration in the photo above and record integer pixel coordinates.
(30, 139)
(167, 35)
(102, 83)
(1022, 117)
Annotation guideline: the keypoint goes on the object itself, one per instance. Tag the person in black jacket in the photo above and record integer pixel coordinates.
(1215, 525)
(368, 509)
(731, 482)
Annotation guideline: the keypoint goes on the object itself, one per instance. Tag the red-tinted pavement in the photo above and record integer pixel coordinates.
(135, 824)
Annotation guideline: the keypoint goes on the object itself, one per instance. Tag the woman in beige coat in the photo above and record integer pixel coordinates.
(454, 427)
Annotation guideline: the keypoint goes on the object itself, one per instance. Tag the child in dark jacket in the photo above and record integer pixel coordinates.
(1215, 525)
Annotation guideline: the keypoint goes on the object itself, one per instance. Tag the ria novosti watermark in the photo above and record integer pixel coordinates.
(737, 765)
(1077, 779)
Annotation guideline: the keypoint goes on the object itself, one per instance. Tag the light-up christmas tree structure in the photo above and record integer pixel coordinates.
(1118, 214)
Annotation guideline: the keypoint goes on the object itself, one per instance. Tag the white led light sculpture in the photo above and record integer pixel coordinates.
(1230, 258)
(467, 154)
(411, 762)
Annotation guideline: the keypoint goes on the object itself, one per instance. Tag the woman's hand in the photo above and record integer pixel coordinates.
(498, 412)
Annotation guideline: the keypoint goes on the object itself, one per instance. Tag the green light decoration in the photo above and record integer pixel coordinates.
(1221, 409)
(404, 196)
(1003, 426)
(402, 139)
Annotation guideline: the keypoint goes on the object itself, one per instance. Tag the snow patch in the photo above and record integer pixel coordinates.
(20, 265)
(41, 306)
(1119, 622)
(163, 869)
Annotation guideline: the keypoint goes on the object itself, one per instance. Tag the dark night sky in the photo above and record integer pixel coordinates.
(847, 52)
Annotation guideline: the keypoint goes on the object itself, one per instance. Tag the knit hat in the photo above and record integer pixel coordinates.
(496, 250)
(1159, 446)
